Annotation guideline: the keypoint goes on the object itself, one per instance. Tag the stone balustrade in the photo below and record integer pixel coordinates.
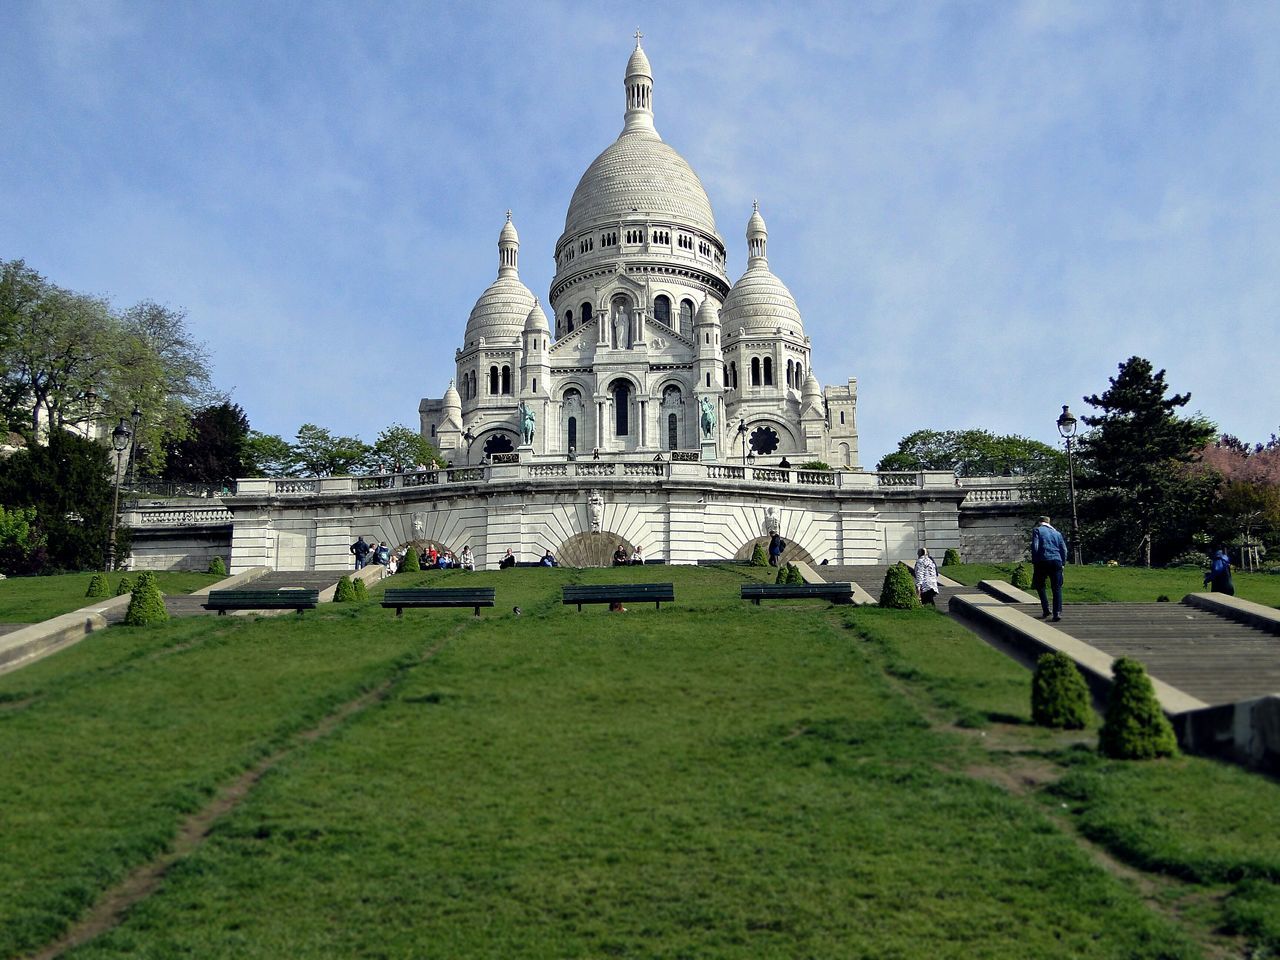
(170, 516)
(512, 468)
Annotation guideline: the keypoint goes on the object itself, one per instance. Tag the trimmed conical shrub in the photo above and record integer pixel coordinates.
(1059, 697)
(1135, 727)
(346, 592)
(784, 575)
(758, 558)
(362, 591)
(125, 586)
(951, 557)
(411, 562)
(793, 574)
(147, 603)
(217, 567)
(1021, 577)
(97, 586)
(899, 590)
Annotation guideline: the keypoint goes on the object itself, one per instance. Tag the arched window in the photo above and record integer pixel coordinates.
(799, 375)
(755, 371)
(842, 418)
(621, 407)
(768, 371)
(584, 313)
(568, 321)
(733, 373)
(662, 310)
(493, 381)
(686, 317)
(506, 379)
(726, 374)
(790, 367)
(475, 384)
(573, 433)
(673, 432)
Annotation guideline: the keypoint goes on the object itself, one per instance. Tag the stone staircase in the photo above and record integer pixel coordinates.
(870, 577)
(186, 605)
(1210, 657)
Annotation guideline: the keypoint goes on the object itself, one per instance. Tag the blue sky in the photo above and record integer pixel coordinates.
(981, 208)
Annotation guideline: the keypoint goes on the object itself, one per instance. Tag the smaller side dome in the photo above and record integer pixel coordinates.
(708, 312)
(759, 303)
(451, 399)
(536, 322)
(500, 313)
(452, 408)
(812, 391)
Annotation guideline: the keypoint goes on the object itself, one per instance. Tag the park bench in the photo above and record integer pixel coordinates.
(289, 599)
(620, 593)
(840, 592)
(474, 597)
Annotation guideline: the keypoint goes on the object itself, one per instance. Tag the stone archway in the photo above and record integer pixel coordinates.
(591, 549)
(794, 553)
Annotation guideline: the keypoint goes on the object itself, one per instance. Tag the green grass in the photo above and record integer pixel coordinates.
(1089, 584)
(32, 599)
(711, 780)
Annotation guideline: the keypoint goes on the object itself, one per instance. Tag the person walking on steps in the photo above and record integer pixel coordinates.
(1218, 577)
(926, 578)
(361, 551)
(1048, 556)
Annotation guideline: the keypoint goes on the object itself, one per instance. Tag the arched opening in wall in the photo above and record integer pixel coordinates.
(764, 440)
(568, 321)
(842, 418)
(621, 390)
(584, 313)
(433, 431)
(506, 379)
(571, 410)
(845, 459)
(662, 310)
(686, 317)
(672, 406)
(673, 432)
(592, 549)
(792, 553)
(475, 384)
(790, 368)
(498, 443)
(571, 434)
(493, 381)
(768, 371)
(733, 370)
(755, 371)
(799, 374)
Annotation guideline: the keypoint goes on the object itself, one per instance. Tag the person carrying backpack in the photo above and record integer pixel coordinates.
(1219, 575)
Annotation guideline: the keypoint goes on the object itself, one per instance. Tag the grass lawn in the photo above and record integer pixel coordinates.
(1090, 584)
(32, 599)
(711, 780)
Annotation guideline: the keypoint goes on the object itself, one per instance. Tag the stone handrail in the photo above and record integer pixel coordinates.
(175, 516)
(550, 469)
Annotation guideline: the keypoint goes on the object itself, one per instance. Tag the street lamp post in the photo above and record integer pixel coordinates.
(134, 418)
(742, 436)
(1067, 425)
(470, 438)
(121, 437)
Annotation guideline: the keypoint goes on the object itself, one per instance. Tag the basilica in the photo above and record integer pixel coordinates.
(649, 349)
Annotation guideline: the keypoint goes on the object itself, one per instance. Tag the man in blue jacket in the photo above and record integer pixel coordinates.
(1048, 555)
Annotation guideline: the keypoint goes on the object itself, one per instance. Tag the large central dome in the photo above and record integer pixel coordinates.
(639, 176)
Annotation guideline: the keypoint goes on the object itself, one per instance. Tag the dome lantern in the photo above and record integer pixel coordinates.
(757, 237)
(639, 86)
(508, 250)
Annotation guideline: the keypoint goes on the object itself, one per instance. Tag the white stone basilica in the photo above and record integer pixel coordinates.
(652, 349)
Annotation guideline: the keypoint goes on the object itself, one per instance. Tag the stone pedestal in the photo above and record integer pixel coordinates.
(708, 451)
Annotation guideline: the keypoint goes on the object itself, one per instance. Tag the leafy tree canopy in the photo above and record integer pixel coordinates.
(319, 453)
(969, 453)
(268, 455)
(398, 446)
(214, 450)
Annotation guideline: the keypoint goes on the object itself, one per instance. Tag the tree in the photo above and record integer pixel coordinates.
(398, 445)
(970, 453)
(22, 544)
(1248, 500)
(68, 483)
(268, 455)
(214, 448)
(1139, 495)
(55, 346)
(320, 454)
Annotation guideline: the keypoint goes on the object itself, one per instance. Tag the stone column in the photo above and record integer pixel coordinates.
(642, 414)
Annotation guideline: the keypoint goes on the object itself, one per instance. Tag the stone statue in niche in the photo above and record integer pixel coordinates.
(526, 416)
(620, 326)
(595, 507)
(771, 525)
(419, 525)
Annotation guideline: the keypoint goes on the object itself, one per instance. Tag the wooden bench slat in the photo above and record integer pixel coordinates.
(837, 592)
(287, 599)
(428, 597)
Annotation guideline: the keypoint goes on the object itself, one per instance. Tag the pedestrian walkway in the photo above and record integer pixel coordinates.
(870, 577)
(190, 605)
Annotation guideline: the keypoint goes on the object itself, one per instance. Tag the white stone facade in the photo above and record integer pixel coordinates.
(644, 325)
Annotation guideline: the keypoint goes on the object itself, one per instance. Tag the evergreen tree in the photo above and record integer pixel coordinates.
(899, 589)
(1139, 496)
(1059, 697)
(346, 592)
(97, 586)
(214, 448)
(758, 558)
(411, 562)
(147, 603)
(217, 567)
(1135, 727)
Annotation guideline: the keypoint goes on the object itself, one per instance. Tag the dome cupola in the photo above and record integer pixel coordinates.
(759, 303)
(536, 322)
(500, 313)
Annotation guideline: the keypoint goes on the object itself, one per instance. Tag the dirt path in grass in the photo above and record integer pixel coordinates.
(110, 909)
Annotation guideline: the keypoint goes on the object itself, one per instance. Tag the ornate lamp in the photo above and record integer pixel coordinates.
(121, 439)
(1067, 426)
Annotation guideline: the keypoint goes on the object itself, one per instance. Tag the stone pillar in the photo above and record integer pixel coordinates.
(642, 415)
(859, 535)
(685, 537)
(333, 543)
(252, 543)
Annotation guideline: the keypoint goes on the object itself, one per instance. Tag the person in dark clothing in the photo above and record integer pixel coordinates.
(361, 551)
(776, 546)
(1048, 556)
(620, 556)
(508, 561)
(1218, 578)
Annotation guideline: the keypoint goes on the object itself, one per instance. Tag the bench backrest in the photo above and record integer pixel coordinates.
(634, 592)
(438, 593)
(228, 598)
(836, 589)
